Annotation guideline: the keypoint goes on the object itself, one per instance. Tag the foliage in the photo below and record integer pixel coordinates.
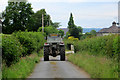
(105, 45)
(71, 22)
(11, 49)
(22, 69)
(97, 66)
(67, 35)
(61, 32)
(86, 35)
(56, 24)
(48, 30)
(73, 29)
(90, 34)
(72, 38)
(20, 44)
(31, 41)
(17, 16)
(38, 19)
(74, 32)
(93, 32)
(80, 29)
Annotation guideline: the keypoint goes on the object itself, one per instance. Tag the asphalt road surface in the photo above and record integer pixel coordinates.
(57, 69)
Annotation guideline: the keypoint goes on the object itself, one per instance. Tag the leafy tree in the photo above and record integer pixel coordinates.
(93, 32)
(73, 29)
(88, 35)
(38, 19)
(71, 22)
(67, 35)
(17, 16)
(61, 32)
(75, 32)
(80, 29)
(56, 24)
(48, 30)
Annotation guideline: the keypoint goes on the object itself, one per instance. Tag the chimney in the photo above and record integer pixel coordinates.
(114, 23)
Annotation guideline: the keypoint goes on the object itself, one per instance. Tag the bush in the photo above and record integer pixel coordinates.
(11, 49)
(48, 30)
(72, 38)
(107, 45)
(20, 44)
(31, 41)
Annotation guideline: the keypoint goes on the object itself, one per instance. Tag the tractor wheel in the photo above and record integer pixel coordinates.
(62, 54)
(46, 53)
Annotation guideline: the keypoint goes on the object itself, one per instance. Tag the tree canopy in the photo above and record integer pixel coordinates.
(93, 32)
(56, 24)
(38, 19)
(71, 22)
(17, 16)
(73, 29)
(61, 32)
(48, 30)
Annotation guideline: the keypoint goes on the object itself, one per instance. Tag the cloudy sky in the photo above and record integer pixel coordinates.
(86, 13)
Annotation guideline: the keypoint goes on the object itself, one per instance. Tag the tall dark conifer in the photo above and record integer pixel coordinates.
(71, 22)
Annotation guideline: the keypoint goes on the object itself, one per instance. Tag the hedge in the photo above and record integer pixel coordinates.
(31, 41)
(20, 44)
(11, 49)
(106, 45)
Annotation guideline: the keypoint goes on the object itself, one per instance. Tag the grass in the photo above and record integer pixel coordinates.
(96, 66)
(23, 68)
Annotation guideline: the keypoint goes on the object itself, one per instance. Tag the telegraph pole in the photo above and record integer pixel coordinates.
(42, 23)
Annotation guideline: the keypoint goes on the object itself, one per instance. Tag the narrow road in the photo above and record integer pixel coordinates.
(57, 69)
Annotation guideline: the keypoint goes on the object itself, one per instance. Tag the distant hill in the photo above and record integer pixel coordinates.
(84, 29)
(89, 29)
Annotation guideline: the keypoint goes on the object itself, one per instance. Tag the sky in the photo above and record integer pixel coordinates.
(86, 13)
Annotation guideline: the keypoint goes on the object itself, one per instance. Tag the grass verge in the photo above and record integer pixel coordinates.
(96, 66)
(23, 68)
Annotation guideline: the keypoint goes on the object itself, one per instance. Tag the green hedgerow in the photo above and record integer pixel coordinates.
(11, 49)
(31, 41)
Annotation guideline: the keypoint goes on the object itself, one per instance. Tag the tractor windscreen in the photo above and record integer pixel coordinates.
(54, 39)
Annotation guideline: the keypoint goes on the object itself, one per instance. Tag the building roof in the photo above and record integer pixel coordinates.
(112, 29)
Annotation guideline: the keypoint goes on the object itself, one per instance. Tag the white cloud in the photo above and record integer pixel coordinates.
(87, 15)
(72, 1)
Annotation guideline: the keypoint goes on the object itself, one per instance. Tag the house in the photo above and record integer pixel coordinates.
(114, 29)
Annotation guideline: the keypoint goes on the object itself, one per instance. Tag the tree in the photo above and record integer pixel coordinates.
(48, 30)
(17, 16)
(74, 32)
(71, 22)
(61, 32)
(38, 19)
(67, 35)
(73, 29)
(56, 24)
(80, 29)
(93, 32)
